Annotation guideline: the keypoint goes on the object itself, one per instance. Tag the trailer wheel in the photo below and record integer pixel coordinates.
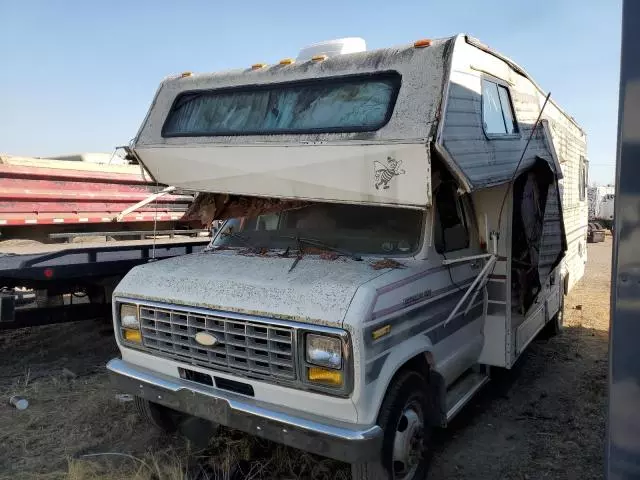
(96, 293)
(406, 446)
(161, 417)
(44, 299)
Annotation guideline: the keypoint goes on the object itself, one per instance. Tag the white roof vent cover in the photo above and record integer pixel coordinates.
(332, 48)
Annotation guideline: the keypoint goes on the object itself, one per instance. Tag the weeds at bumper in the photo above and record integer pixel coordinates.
(230, 456)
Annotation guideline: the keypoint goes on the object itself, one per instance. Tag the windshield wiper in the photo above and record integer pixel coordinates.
(320, 244)
(238, 236)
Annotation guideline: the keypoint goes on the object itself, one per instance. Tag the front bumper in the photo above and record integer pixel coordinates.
(247, 414)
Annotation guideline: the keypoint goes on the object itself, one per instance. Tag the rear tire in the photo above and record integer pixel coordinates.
(161, 417)
(556, 324)
(406, 446)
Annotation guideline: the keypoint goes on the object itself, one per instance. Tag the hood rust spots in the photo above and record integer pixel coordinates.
(266, 252)
(329, 255)
(256, 252)
(323, 253)
(386, 263)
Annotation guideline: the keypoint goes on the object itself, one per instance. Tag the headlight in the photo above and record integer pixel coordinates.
(130, 323)
(129, 316)
(324, 351)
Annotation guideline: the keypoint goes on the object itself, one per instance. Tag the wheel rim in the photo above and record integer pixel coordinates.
(560, 314)
(560, 319)
(408, 442)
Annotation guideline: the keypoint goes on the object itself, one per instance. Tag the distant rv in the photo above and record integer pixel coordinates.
(601, 203)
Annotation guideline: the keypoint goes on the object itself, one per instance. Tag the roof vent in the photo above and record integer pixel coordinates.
(331, 48)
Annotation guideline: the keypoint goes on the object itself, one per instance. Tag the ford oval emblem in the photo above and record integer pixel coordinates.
(204, 338)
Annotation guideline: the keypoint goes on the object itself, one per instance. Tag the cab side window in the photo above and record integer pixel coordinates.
(450, 229)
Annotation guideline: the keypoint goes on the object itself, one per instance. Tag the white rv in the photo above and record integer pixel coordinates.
(398, 222)
(601, 203)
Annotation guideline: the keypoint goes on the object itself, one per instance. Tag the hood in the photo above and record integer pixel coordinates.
(316, 291)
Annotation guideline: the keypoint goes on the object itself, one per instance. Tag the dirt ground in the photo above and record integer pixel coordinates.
(544, 420)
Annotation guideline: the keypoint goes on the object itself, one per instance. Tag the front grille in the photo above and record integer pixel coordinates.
(246, 347)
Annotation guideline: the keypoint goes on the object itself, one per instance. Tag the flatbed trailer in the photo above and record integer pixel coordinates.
(40, 197)
(54, 283)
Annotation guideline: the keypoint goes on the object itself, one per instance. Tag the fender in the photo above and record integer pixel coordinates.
(369, 398)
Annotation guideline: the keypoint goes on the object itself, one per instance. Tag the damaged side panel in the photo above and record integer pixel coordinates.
(471, 139)
(538, 241)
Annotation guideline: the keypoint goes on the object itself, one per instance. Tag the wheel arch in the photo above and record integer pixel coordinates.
(416, 355)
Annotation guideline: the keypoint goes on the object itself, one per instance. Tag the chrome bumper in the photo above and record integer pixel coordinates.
(246, 414)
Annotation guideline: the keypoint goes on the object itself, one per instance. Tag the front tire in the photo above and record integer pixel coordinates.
(406, 446)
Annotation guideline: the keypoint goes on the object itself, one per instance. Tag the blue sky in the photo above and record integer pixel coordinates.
(79, 75)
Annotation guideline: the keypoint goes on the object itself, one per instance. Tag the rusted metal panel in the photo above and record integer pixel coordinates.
(208, 207)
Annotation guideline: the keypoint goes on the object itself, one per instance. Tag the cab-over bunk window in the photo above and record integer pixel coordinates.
(498, 116)
(354, 103)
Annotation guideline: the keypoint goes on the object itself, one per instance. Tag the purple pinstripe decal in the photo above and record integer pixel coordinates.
(437, 295)
(371, 315)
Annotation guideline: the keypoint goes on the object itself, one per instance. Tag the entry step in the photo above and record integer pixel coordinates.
(463, 390)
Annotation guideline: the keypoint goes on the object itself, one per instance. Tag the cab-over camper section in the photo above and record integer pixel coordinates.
(300, 156)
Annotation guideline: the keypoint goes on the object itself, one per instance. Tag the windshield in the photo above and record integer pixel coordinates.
(350, 228)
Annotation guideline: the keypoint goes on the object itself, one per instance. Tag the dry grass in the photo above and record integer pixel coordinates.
(544, 421)
(231, 456)
(117, 466)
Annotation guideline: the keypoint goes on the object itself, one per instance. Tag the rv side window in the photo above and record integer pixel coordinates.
(497, 110)
(450, 228)
(583, 178)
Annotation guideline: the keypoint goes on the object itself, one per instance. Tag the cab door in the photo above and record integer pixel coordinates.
(454, 237)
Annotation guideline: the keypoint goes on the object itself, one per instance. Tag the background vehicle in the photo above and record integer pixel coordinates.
(601, 204)
(71, 229)
(595, 233)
